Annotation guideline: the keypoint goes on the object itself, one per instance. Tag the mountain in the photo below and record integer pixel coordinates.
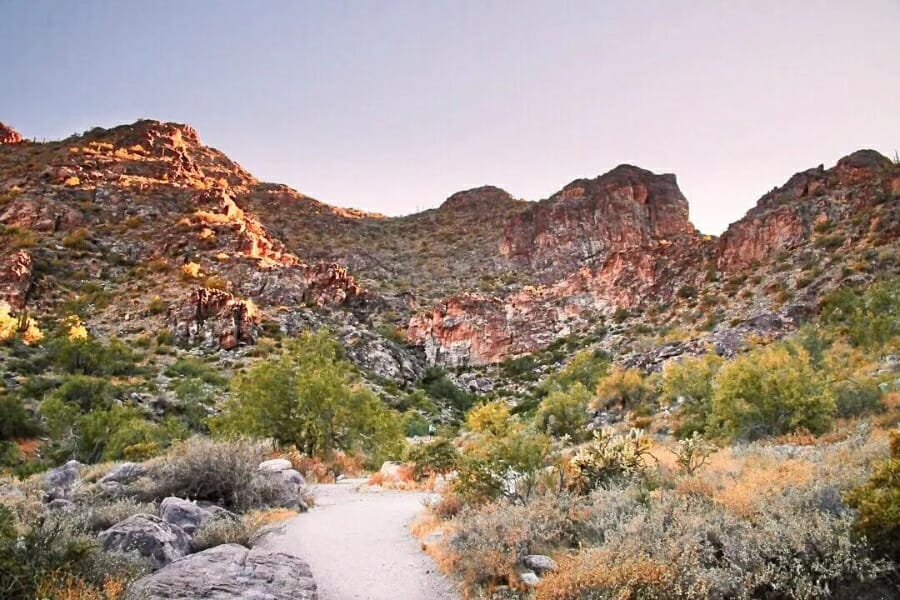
(142, 229)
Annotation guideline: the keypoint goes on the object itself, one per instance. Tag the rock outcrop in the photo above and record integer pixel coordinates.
(8, 135)
(148, 536)
(17, 280)
(590, 219)
(788, 216)
(229, 572)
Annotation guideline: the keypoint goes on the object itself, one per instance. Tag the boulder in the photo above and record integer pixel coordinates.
(276, 465)
(229, 572)
(148, 536)
(184, 514)
(60, 481)
(124, 473)
(540, 563)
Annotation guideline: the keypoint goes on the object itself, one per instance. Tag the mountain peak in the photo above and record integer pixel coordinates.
(477, 198)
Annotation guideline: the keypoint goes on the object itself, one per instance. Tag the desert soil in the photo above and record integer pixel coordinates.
(358, 544)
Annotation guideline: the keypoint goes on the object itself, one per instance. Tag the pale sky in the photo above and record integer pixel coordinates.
(391, 106)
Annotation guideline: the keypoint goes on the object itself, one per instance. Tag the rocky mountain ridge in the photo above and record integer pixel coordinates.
(142, 228)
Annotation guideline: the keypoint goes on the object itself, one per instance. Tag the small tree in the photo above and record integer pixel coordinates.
(770, 391)
(491, 418)
(565, 413)
(626, 388)
(691, 381)
(310, 397)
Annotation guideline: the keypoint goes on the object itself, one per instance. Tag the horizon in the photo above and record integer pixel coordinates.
(392, 110)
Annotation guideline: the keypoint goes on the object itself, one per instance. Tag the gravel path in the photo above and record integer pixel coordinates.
(359, 546)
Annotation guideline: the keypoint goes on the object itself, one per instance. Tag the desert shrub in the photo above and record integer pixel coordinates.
(488, 543)
(86, 393)
(849, 373)
(88, 356)
(246, 530)
(878, 504)
(598, 574)
(52, 547)
(189, 367)
(626, 388)
(225, 473)
(586, 367)
(436, 456)
(98, 515)
(687, 292)
(869, 319)
(15, 422)
(310, 397)
(564, 413)
(610, 458)
(514, 368)
(690, 380)
(77, 239)
(492, 418)
(444, 392)
(116, 432)
(503, 466)
(414, 424)
(770, 391)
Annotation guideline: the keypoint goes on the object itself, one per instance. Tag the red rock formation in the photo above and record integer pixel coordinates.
(214, 316)
(590, 219)
(8, 135)
(786, 217)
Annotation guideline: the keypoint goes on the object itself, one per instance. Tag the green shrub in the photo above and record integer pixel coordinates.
(414, 424)
(434, 457)
(15, 422)
(492, 418)
(503, 466)
(189, 367)
(90, 357)
(444, 392)
(626, 388)
(690, 380)
(52, 547)
(310, 397)
(586, 368)
(878, 504)
(770, 391)
(869, 319)
(565, 413)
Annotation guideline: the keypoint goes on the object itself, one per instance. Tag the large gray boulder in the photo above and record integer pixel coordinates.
(184, 513)
(290, 481)
(148, 536)
(229, 572)
(60, 482)
(124, 473)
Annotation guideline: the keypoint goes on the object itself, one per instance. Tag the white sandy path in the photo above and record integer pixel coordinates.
(359, 546)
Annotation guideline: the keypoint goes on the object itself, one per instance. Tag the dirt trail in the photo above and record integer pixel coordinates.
(359, 546)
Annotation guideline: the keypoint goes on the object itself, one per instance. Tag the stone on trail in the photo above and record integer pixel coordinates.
(229, 572)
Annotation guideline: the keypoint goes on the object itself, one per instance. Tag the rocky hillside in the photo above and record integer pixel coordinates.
(142, 228)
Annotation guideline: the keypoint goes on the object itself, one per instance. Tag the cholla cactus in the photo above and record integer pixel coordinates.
(609, 457)
(693, 452)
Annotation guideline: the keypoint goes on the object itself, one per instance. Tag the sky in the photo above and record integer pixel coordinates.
(391, 106)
